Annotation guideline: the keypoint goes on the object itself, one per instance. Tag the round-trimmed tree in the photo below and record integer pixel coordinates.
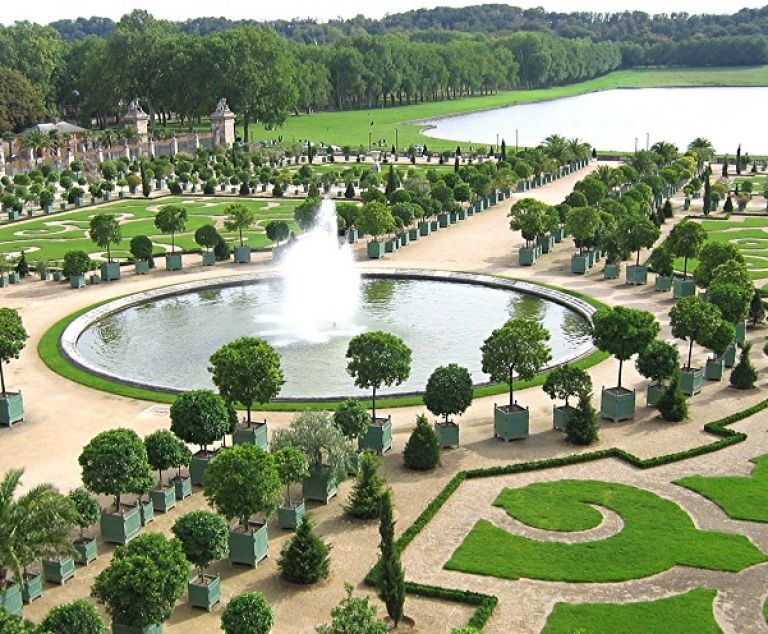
(13, 338)
(247, 370)
(204, 538)
(712, 255)
(694, 320)
(659, 361)
(143, 581)
(623, 332)
(685, 241)
(242, 481)
(247, 613)
(239, 218)
(200, 417)
(567, 381)
(105, 231)
(583, 224)
(636, 233)
(141, 248)
(277, 230)
(87, 510)
(171, 219)
(77, 617)
(292, 466)
(449, 391)
(528, 216)
(207, 236)
(519, 348)
(376, 219)
(163, 451)
(115, 462)
(352, 418)
(378, 358)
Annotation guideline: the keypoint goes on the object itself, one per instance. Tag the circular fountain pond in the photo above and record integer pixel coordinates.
(163, 339)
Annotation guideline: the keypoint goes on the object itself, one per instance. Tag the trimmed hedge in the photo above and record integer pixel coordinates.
(487, 603)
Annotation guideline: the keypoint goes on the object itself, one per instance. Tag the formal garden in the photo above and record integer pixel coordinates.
(621, 498)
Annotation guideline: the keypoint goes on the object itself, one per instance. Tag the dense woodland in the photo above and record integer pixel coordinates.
(89, 68)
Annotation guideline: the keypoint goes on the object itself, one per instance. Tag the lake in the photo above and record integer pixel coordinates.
(613, 119)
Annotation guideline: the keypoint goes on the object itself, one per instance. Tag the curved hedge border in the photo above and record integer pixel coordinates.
(487, 603)
(49, 352)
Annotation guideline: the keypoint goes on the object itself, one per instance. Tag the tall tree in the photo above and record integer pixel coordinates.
(391, 574)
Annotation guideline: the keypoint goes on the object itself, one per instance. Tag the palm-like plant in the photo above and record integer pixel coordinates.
(9, 138)
(579, 149)
(668, 151)
(129, 134)
(556, 147)
(108, 137)
(703, 147)
(37, 524)
(37, 141)
(607, 176)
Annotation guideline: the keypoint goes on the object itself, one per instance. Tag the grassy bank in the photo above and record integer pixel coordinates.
(353, 127)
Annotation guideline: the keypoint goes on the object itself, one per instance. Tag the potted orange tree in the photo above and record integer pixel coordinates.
(13, 337)
(292, 466)
(448, 393)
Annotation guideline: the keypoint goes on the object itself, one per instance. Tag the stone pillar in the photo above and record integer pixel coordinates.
(174, 146)
(127, 151)
(223, 124)
(70, 155)
(30, 155)
(137, 119)
(197, 141)
(2, 159)
(100, 155)
(152, 148)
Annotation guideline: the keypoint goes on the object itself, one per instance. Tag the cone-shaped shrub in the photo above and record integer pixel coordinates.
(672, 406)
(581, 428)
(369, 486)
(422, 451)
(744, 375)
(304, 559)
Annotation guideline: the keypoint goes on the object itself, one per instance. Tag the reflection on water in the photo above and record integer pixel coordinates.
(169, 341)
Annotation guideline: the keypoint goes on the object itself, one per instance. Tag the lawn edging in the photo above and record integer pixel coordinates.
(487, 603)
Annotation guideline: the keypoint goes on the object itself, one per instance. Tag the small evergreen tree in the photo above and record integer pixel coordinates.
(667, 209)
(304, 559)
(247, 613)
(368, 488)
(744, 375)
(672, 406)
(756, 309)
(728, 206)
(581, 427)
(349, 192)
(22, 266)
(352, 418)
(391, 574)
(422, 451)
(354, 615)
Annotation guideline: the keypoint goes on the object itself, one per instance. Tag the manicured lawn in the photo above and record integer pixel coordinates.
(352, 127)
(748, 235)
(657, 535)
(681, 614)
(52, 236)
(741, 498)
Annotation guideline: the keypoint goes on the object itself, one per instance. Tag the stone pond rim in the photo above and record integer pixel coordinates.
(67, 343)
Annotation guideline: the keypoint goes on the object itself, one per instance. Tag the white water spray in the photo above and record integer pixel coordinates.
(322, 283)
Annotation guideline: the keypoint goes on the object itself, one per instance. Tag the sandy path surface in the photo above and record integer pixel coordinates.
(63, 416)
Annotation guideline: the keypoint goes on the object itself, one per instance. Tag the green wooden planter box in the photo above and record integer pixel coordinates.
(117, 628)
(33, 587)
(58, 570)
(13, 277)
(209, 258)
(376, 250)
(653, 394)
(405, 239)
(691, 381)
(526, 256)
(58, 276)
(198, 466)
(546, 243)
(453, 217)
(352, 236)
(163, 499)
(462, 213)
(87, 550)
(617, 404)
(173, 261)
(289, 517)
(558, 235)
(683, 288)
(249, 548)
(320, 487)
(378, 437)
(141, 267)
(560, 416)
(662, 283)
(448, 433)
(44, 276)
(182, 487)
(146, 511)
(14, 215)
(11, 409)
(95, 278)
(512, 425)
(205, 595)
(256, 434)
(11, 600)
(729, 358)
(637, 274)
(76, 281)
(110, 271)
(120, 528)
(3, 281)
(242, 255)
(413, 235)
(713, 370)
(591, 257)
(443, 220)
(391, 245)
(611, 272)
(579, 264)
(425, 228)
(741, 332)
(434, 225)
